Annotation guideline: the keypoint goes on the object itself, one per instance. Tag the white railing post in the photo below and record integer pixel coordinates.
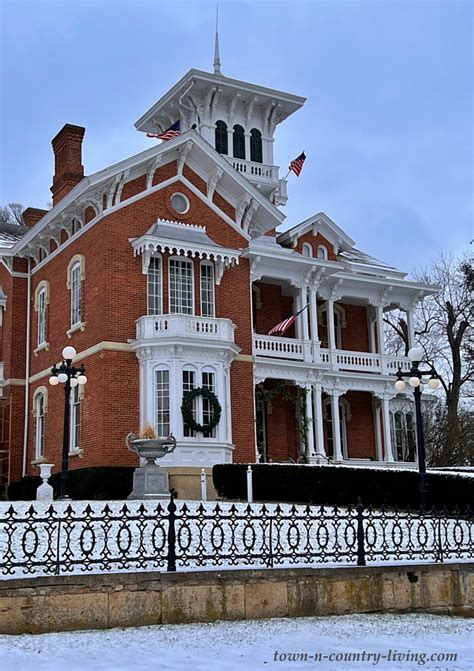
(249, 485)
(203, 485)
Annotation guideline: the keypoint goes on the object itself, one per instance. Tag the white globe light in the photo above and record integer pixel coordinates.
(53, 380)
(82, 379)
(69, 352)
(400, 385)
(62, 377)
(433, 383)
(74, 382)
(414, 382)
(415, 354)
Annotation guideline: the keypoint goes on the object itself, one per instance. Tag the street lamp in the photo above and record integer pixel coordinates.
(416, 382)
(67, 374)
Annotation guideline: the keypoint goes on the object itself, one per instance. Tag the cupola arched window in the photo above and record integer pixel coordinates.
(221, 137)
(239, 142)
(256, 154)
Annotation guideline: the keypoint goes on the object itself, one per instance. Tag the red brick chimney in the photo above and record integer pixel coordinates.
(68, 168)
(32, 215)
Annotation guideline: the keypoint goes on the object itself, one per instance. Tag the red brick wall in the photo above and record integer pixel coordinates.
(283, 437)
(314, 241)
(355, 335)
(361, 428)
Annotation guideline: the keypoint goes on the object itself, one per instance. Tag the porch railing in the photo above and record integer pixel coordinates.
(305, 350)
(255, 170)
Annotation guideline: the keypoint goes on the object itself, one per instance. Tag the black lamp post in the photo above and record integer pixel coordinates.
(70, 376)
(415, 380)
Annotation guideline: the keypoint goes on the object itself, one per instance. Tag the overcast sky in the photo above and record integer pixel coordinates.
(387, 126)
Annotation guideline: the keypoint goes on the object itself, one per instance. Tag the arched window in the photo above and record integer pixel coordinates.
(307, 249)
(322, 252)
(76, 225)
(75, 277)
(207, 289)
(256, 154)
(239, 142)
(155, 286)
(41, 308)
(39, 411)
(221, 137)
(181, 286)
(162, 401)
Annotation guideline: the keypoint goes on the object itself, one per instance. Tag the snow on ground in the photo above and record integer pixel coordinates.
(403, 642)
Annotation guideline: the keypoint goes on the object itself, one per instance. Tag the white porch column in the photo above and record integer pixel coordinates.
(378, 429)
(309, 424)
(247, 146)
(330, 323)
(320, 452)
(297, 308)
(336, 433)
(380, 338)
(387, 436)
(313, 313)
(304, 315)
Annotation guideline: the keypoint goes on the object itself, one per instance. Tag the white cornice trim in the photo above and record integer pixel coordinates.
(105, 345)
(145, 157)
(300, 229)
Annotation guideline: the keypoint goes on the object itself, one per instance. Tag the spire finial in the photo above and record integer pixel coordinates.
(217, 58)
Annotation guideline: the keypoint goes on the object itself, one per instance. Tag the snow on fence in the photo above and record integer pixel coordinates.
(79, 537)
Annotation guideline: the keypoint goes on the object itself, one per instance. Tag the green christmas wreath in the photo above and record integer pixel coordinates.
(187, 409)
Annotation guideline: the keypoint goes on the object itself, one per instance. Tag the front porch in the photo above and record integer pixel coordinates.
(296, 423)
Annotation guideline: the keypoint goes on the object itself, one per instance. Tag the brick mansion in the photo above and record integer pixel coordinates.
(166, 272)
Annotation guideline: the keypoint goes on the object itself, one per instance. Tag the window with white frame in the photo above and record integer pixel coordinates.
(40, 422)
(202, 407)
(162, 401)
(207, 289)
(403, 435)
(155, 290)
(307, 249)
(41, 307)
(189, 383)
(75, 432)
(208, 382)
(322, 252)
(76, 294)
(181, 286)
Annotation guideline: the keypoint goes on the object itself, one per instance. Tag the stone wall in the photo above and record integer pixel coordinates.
(66, 603)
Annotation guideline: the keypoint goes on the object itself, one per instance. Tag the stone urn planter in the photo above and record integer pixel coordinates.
(150, 481)
(45, 491)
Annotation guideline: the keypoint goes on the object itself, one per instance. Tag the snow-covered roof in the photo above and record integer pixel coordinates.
(10, 234)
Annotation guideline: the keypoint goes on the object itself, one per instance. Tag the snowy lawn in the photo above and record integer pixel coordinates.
(388, 642)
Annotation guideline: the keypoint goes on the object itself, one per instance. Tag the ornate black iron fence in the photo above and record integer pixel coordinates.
(79, 538)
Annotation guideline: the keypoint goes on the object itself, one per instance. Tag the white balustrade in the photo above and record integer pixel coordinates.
(281, 348)
(300, 350)
(184, 326)
(251, 169)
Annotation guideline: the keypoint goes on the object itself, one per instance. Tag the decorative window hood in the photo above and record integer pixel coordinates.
(183, 240)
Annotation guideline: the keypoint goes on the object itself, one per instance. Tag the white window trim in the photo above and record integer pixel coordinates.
(208, 264)
(77, 259)
(344, 417)
(40, 391)
(341, 322)
(325, 252)
(158, 369)
(75, 451)
(188, 204)
(154, 256)
(42, 288)
(188, 260)
(198, 376)
(308, 246)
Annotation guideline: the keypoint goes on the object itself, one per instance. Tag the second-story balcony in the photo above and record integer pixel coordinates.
(180, 327)
(310, 352)
(266, 176)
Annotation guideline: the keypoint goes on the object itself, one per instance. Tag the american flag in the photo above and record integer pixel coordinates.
(169, 133)
(297, 164)
(283, 326)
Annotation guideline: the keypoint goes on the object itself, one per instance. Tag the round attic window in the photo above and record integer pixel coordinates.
(180, 203)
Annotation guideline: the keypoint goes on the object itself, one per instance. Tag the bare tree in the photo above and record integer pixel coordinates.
(11, 214)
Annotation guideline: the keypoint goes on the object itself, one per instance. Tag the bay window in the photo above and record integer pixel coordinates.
(181, 286)
(207, 289)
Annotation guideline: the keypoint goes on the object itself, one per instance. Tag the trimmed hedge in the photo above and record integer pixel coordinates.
(100, 483)
(333, 485)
